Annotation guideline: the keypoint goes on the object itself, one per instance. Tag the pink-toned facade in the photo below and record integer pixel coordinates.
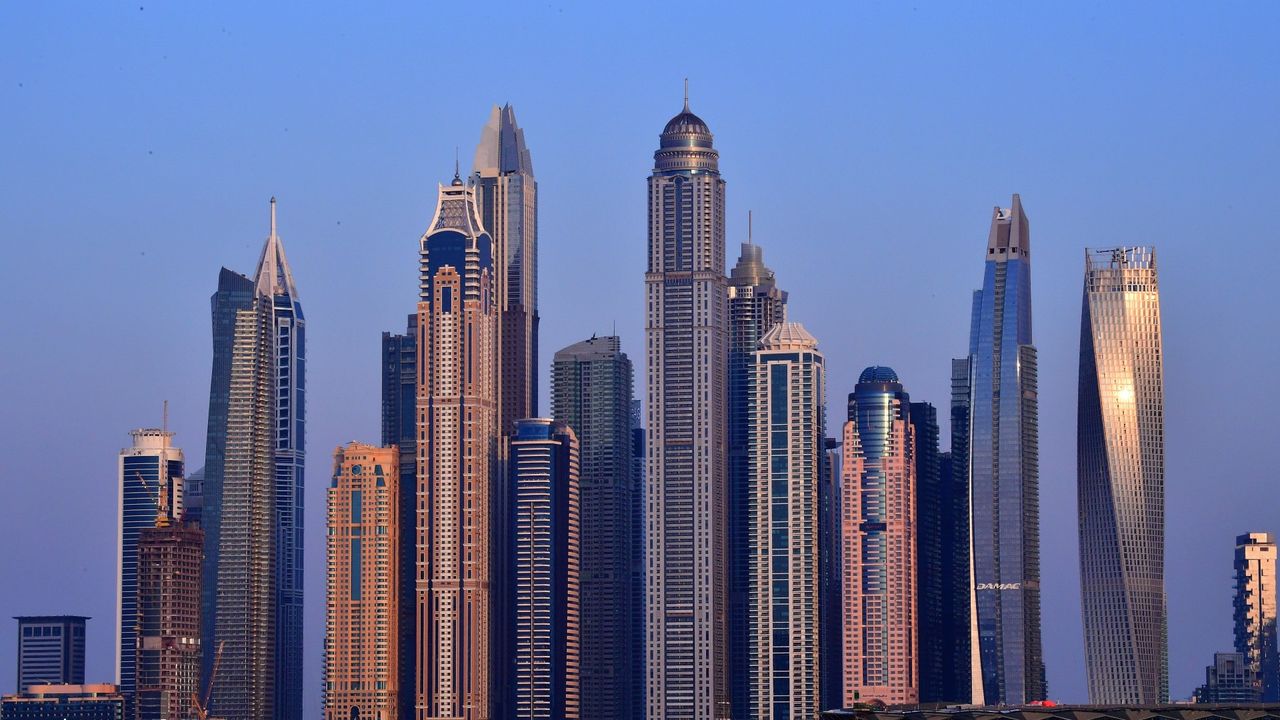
(879, 546)
(457, 431)
(361, 666)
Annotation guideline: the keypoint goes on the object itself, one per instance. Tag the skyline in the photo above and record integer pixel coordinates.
(787, 225)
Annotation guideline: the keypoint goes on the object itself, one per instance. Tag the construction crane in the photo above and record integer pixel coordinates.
(202, 707)
(162, 501)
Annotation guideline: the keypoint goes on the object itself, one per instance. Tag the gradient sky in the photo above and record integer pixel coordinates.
(141, 143)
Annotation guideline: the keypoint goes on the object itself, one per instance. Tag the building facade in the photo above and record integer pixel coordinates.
(361, 677)
(831, 647)
(244, 577)
(400, 429)
(457, 449)
(958, 601)
(786, 443)
(1003, 457)
(150, 477)
(50, 650)
(686, 362)
(879, 544)
(591, 392)
(1228, 681)
(169, 646)
(65, 702)
(931, 585)
(1120, 462)
(1254, 610)
(275, 281)
(543, 648)
(755, 305)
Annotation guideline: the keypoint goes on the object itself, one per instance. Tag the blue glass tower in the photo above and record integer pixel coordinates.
(1004, 471)
(275, 281)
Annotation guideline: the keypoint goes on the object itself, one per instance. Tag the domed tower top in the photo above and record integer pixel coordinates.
(686, 144)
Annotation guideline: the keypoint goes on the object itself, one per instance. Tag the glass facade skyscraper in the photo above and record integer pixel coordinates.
(591, 392)
(686, 583)
(1120, 461)
(1003, 472)
(275, 281)
(543, 649)
(400, 429)
(787, 405)
(755, 305)
(150, 477)
(878, 511)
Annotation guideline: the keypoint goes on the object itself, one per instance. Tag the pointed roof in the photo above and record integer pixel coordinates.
(788, 336)
(1010, 236)
(502, 150)
(273, 275)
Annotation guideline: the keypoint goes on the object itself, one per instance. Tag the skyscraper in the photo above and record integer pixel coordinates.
(934, 658)
(150, 475)
(788, 430)
(591, 393)
(1003, 457)
(275, 281)
(400, 428)
(244, 579)
(542, 650)
(958, 600)
(1120, 461)
(168, 620)
(1229, 681)
(831, 651)
(362, 590)
(50, 650)
(1255, 610)
(879, 553)
(755, 305)
(507, 197)
(685, 366)
(457, 410)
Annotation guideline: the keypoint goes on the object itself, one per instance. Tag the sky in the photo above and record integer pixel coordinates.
(142, 141)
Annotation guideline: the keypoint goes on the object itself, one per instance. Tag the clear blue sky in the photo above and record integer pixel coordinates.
(141, 142)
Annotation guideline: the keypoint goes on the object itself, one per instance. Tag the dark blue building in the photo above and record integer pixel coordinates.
(400, 428)
(50, 650)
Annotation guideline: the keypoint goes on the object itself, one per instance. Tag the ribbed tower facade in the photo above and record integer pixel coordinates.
(457, 407)
(591, 392)
(275, 281)
(686, 361)
(543, 645)
(361, 673)
(150, 476)
(755, 306)
(1255, 611)
(1004, 472)
(1120, 461)
(788, 431)
(507, 197)
(879, 543)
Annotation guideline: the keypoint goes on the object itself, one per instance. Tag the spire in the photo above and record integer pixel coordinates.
(749, 241)
(457, 170)
(273, 276)
(686, 94)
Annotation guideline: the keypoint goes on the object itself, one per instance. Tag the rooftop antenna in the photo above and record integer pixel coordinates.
(165, 427)
(273, 216)
(457, 174)
(749, 241)
(686, 94)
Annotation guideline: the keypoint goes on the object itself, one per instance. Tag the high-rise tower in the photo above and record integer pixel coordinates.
(755, 305)
(150, 472)
(361, 613)
(275, 281)
(543, 647)
(400, 429)
(1004, 471)
(591, 393)
(1120, 461)
(507, 197)
(879, 552)
(50, 650)
(1255, 610)
(240, 482)
(168, 621)
(788, 430)
(458, 438)
(685, 366)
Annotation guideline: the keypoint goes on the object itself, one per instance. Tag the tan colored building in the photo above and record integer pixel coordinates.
(458, 440)
(879, 544)
(168, 623)
(361, 667)
(1255, 611)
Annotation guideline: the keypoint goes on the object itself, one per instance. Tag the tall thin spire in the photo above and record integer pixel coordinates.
(457, 171)
(749, 241)
(686, 94)
(273, 216)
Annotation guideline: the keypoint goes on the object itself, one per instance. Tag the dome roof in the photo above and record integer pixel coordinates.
(788, 336)
(686, 122)
(878, 374)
